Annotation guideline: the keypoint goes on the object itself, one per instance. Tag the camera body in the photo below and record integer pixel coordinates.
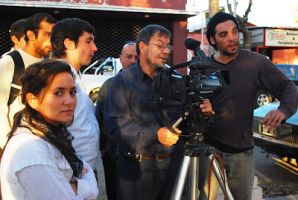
(172, 88)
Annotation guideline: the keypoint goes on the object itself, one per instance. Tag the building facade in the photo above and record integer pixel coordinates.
(115, 21)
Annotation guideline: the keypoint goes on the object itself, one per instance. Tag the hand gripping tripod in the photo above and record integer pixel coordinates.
(192, 150)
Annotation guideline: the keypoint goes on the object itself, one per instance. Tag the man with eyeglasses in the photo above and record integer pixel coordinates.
(147, 159)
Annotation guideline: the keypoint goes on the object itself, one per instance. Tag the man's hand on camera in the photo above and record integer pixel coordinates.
(206, 108)
(273, 119)
(166, 137)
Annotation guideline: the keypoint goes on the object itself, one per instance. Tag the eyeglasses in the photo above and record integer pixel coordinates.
(162, 47)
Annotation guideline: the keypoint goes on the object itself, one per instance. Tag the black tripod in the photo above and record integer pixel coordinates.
(192, 150)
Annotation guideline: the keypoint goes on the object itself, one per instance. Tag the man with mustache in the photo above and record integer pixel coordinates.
(38, 47)
(230, 133)
(147, 154)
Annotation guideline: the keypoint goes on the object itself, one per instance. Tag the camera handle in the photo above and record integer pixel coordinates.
(190, 163)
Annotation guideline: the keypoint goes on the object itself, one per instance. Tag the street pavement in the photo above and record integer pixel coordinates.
(262, 165)
(289, 197)
(101, 183)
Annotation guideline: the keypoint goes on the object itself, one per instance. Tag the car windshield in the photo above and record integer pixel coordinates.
(101, 66)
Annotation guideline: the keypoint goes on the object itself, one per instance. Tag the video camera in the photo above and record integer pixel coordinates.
(186, 91)
(172, 89)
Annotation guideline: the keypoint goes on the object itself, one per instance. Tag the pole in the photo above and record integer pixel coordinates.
(213, 8)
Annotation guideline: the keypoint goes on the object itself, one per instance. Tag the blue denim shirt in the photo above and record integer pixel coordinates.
(129, 117)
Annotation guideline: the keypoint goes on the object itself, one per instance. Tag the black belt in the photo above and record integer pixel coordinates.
(141, 156)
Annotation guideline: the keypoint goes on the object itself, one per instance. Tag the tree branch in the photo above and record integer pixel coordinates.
(245, 16)
(229, 7)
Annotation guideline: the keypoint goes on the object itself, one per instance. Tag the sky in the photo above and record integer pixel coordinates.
(281, 13)
(271, 12)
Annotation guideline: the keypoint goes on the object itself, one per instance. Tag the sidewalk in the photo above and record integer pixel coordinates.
(289, 197)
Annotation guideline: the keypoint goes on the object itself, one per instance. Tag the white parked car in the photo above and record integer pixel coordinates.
(97, 73)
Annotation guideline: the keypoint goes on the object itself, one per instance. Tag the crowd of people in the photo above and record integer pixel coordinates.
(52, 135)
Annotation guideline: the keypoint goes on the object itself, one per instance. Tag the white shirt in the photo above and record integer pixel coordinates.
(32, 168)
(6, 75)
(85, 128)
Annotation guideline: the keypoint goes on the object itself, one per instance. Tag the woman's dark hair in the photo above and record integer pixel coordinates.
(147, 33)
(37, 77)
(71, 28)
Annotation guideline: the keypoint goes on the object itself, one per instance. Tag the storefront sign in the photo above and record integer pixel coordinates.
(281, 38)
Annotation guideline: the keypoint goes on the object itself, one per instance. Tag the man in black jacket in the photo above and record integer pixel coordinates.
(230, 131)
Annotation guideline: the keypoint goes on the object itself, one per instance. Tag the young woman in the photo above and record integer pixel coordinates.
(39, 161)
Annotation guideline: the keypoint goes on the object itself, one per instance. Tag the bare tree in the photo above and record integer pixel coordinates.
(242, 23)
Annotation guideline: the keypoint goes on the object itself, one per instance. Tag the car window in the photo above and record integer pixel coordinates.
(290, 71)
(92, 68)
(108, 68)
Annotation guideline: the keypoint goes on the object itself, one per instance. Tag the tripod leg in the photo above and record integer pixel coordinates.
(179, 184)
(194, 178)
(219, 174)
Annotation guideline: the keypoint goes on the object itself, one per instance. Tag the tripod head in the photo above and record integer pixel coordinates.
(195, 124)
